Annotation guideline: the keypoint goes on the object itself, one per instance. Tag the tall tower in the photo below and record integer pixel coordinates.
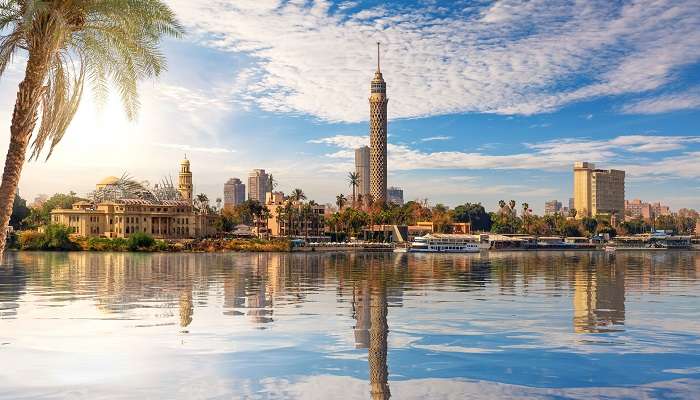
(377, 135)
(185, 180)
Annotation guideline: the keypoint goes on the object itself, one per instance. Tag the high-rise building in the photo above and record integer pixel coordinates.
(552, 207)
(395, 195)
(377, 135)
(362, 170)
(234, 193)
(257, 185)
(598, 191)
(571, 203)
(185, 180)
(638, 209)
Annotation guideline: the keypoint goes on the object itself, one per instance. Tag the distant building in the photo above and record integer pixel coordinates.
(362, 170)
(395, 195)
(571, 203)
(552, 207)
(257, 185)
(234, 193)
(598, 191)
(124, 207)
(647, 211)
(312, 225)
(185, 181)
(638, 209)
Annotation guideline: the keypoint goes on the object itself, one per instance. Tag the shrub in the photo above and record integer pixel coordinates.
(31, 240)
(140, 241)
(55, 237)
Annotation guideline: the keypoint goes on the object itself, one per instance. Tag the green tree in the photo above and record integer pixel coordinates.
(67, 42)
(354, 181)
(590, 225)
(297, 195)
(340, 201)
(20, 212)
(475, 214)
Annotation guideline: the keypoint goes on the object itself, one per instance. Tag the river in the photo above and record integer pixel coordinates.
(543, 325)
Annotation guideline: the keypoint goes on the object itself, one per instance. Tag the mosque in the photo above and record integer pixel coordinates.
(122, 206)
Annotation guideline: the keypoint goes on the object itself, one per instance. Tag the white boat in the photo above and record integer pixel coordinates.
(448, 243)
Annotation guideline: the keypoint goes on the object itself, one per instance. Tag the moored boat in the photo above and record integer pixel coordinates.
(448, 243)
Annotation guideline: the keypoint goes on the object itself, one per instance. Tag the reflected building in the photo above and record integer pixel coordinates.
(599, 299)
(186, 308)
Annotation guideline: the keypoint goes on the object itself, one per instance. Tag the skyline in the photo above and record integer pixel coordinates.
(482, 109)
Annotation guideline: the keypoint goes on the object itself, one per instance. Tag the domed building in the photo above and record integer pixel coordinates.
(122, 206)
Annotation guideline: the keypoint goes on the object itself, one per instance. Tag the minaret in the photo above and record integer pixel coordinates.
(377, 135)
(185, 180)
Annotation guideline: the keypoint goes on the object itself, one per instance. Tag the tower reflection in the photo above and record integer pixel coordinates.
(370, 310)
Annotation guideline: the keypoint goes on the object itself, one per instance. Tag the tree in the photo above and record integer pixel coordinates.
(297, 195)
(65, 42)
(590, 224)
(20, 212)
(271, 183)
(203, 202)
(354, 180)
(340, 201)
(511, 205)
(502, 205)
(475, 214)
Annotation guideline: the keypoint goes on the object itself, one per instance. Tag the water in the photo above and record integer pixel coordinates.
(355, 326)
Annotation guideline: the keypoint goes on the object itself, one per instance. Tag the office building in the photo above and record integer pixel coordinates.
(395, 195)
(598, 191)
(377, 136)
(362, 155)
(552, 207)
(234, 193)
(257, 185)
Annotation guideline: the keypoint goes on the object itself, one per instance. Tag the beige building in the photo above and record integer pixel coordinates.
(234, 193)
(278, 223)
(362, 170)
(598, 191)
(257, 185)
(122, 207)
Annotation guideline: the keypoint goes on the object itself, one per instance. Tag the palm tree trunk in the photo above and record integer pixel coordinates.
(24, 120)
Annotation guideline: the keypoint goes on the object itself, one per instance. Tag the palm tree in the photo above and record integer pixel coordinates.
(340, 200)
(203, 202)
(271, 183)
(218, 203)
(502, 205)
(297, 195)
(512, 205)
(354, 180)
(66, 41)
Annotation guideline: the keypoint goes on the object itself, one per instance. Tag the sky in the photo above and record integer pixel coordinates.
(488, 100)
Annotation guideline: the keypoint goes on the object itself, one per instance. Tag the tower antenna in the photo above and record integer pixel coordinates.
(378, 69)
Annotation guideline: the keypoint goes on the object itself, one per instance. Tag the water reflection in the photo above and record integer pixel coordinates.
(416, 316)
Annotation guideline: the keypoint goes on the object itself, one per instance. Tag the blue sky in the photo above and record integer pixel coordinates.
(488, 100)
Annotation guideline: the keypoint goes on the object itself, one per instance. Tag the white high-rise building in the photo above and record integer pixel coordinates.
(395, 195)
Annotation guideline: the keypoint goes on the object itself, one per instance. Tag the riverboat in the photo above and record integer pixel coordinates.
(448, 243)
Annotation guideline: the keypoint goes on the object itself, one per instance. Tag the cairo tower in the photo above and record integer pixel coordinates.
(377, 136)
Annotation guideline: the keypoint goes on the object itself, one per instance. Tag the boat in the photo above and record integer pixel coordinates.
(657, 241)
(448, 243)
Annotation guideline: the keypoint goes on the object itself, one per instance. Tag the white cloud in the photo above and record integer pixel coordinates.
(434, 138)
(665, 103)
(187, 148)
(510, 57)
(552, 155)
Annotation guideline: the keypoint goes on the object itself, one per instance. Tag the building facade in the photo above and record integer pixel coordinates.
(185, 186)
(141, 210)
(395, 195)
(552, 207)
(234, 193)
(257, 185)
(377, 135)
(362, 155)
(291, 218)
(598, 191)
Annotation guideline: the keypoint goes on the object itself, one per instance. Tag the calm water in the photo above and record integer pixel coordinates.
(355, 326)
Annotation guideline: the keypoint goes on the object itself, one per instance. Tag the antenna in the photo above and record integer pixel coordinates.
(378, 69)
